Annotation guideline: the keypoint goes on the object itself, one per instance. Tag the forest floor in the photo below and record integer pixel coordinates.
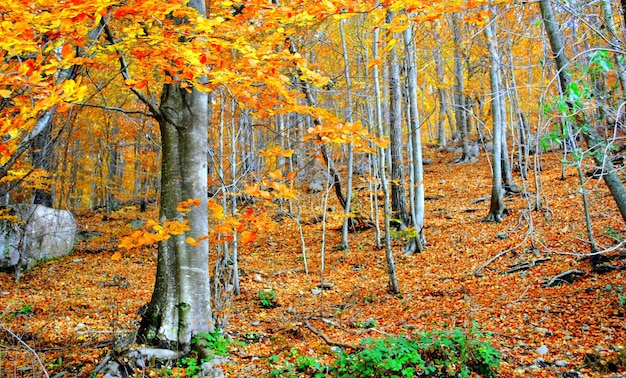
(66, 315)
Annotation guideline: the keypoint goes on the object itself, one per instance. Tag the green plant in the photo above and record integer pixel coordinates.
(614, 234)
(456, 353)
(302, 365)
(267, 298)
(190, 364)
(369, 298)
(621, 300)
(25, 310)
(214, 342)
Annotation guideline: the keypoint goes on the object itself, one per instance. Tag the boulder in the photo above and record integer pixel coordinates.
(36, 232)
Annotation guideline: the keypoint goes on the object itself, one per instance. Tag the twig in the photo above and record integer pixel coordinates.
(328, 341)
(481, 199)
(567, 276)
(500, 254)
(43, 368)
(509, 336)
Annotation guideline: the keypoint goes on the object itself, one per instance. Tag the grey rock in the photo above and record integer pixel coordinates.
(542, 350)
(542, 331)
(502, 235)
(39, 233)
(561, 363)
(213, 368)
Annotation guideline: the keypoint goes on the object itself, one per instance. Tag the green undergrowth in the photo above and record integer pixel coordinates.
(456, 353)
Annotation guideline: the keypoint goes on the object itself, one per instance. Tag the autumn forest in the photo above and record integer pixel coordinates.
(267, 188)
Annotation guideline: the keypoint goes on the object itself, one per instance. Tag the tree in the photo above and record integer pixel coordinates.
(497, 208)
(460, 99)
(398, 192)
(592, 139)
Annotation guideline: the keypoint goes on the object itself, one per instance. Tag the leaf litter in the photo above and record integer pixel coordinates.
(73, 311)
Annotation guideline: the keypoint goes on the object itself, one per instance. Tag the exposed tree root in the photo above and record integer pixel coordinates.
(328, 341)
(568, 276)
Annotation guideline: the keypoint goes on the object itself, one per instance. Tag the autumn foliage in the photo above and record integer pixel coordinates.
(292, 100)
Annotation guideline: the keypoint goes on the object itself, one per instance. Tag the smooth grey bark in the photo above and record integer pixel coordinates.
(43, 153)
(398, 192)
(180, 306)
(441, 95)
(460, 106)
(391, 266)
(349, 109)
(417, 206)
(594, 142)
(497, 208)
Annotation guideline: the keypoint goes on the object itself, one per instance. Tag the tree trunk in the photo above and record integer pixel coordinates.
(497, 208)
(592, 139)
(391, 266)
(417, 208)
(460, 108)
(180, 306)
(398, 193)
(349, 109)
(43, 154)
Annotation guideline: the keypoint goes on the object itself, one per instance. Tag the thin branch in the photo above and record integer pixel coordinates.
(114, 108)
(124, 71)
(43, 368)
(328, 341)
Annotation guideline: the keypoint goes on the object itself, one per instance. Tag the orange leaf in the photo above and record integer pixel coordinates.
(116, 256)
(192, 241)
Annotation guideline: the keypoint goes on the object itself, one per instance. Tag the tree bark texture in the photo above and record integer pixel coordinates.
(398, 193)
(180, 306)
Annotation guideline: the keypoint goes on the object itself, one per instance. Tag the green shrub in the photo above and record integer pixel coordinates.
(267, 298)
(455, 353)
(215, 342)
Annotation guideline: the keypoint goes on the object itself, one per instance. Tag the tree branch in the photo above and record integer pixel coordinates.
(124, 71)
(328, 341)
(114, 108)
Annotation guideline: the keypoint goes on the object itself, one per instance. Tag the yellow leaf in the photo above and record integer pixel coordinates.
(276, 175)
(247, 237)
(116, 256)
(192, 241)
(5, 93)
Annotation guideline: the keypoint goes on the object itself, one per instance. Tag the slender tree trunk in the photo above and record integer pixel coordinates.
(417, 208)
(592, 139)
(42, 159)
(610, 23)
(497, 208)
(310, 101)
(460, 106)
(398, 193)
(441, 94)
(349, 109)
(391, 267)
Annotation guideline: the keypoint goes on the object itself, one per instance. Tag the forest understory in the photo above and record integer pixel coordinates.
(67, 315)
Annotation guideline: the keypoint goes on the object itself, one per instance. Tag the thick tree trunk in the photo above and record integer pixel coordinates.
(180, 306)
